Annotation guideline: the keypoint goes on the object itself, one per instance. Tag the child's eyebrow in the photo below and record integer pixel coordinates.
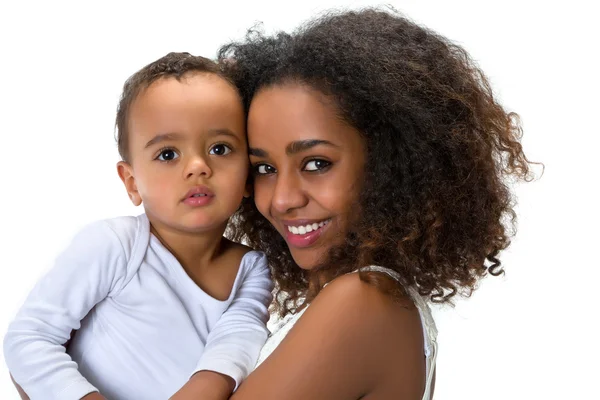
(162, 137)
(223, 132)
(174, 136)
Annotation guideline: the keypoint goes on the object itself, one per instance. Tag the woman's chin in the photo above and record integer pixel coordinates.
(307, 259)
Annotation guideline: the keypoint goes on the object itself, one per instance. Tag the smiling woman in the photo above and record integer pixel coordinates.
(376, 147)
(303, 156)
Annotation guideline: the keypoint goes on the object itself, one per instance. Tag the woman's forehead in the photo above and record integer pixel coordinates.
(295, 112)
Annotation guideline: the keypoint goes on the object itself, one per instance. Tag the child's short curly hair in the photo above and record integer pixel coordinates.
(174, 65)
(435, 205)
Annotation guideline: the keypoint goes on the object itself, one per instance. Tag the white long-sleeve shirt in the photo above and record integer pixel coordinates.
(144, 327)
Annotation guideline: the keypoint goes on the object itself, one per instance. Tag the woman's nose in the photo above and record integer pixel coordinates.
(288, 194)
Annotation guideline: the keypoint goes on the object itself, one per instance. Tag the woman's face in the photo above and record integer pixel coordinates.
(308, 168)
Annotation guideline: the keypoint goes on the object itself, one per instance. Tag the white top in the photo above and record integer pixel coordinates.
(281, 329)
(144, 327)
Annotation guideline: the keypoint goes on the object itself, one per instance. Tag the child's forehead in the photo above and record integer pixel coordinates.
(192, 85)
(203, 105)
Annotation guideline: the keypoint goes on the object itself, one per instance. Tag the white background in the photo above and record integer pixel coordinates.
(531, 334)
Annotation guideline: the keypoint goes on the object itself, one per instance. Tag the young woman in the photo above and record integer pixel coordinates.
(380, 159)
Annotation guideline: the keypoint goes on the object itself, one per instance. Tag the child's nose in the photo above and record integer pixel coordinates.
(197, 167)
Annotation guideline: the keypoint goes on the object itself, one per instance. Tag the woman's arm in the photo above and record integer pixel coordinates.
(352, 341)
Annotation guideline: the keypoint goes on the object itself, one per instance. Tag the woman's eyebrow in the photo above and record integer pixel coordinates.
(303, 145)
(256, 152)
(294, 147)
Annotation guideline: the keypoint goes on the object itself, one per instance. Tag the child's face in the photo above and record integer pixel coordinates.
(188, 153)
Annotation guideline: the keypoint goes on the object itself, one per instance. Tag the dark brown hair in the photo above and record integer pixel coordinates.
(436, 206)
(174, 65)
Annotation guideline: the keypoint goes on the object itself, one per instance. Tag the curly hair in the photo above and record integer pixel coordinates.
(174, 65)
(435, 206)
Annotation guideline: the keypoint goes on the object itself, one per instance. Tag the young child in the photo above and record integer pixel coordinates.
(163, 296)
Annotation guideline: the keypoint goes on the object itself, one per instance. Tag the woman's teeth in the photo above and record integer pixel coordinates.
(304, 229)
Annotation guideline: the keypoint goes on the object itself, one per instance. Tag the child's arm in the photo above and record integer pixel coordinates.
(83, 275)
(23, 395)
(19, 389)
(234, 344)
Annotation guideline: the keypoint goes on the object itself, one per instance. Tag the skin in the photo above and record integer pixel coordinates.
(353, 342)
(307, 166)
(385, 336)
(184, 134)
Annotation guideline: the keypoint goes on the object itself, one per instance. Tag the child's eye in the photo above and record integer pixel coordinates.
(316, 165)
(219, 150)
(167, 155)
(263, 169)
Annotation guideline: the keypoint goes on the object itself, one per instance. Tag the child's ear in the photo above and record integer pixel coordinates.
(126, 174)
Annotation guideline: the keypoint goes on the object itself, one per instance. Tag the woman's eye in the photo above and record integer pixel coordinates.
(316, 165)
(220, 150)
(264, 169)
(167, 155)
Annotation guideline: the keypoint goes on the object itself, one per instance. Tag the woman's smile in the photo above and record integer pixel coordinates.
(304, 233)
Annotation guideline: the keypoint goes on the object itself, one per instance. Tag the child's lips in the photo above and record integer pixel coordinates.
(198, 196)
(198, 201)
(198, 191)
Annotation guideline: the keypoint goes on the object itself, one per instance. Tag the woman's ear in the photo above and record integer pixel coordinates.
(126, 174)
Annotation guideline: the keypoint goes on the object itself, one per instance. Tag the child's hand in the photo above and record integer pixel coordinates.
(93, 396)
(206, 385)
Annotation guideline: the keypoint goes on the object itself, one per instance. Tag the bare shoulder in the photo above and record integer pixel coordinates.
(350, 303)
(356, 296)
(388, 329)
(353, 342)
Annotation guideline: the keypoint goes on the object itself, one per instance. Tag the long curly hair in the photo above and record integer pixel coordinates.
(435, 206)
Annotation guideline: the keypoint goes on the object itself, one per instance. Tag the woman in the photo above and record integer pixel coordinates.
(378, 148)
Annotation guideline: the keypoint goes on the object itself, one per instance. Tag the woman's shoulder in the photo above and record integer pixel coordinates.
(351, 329)
(386, 329)
(365, 301)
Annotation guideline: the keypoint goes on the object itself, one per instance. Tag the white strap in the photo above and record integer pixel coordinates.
(428, 324)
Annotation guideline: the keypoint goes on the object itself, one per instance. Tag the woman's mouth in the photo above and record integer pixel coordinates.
(304, 233)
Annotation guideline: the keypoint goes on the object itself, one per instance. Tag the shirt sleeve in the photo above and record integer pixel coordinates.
(234, 344)
(83, 275)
